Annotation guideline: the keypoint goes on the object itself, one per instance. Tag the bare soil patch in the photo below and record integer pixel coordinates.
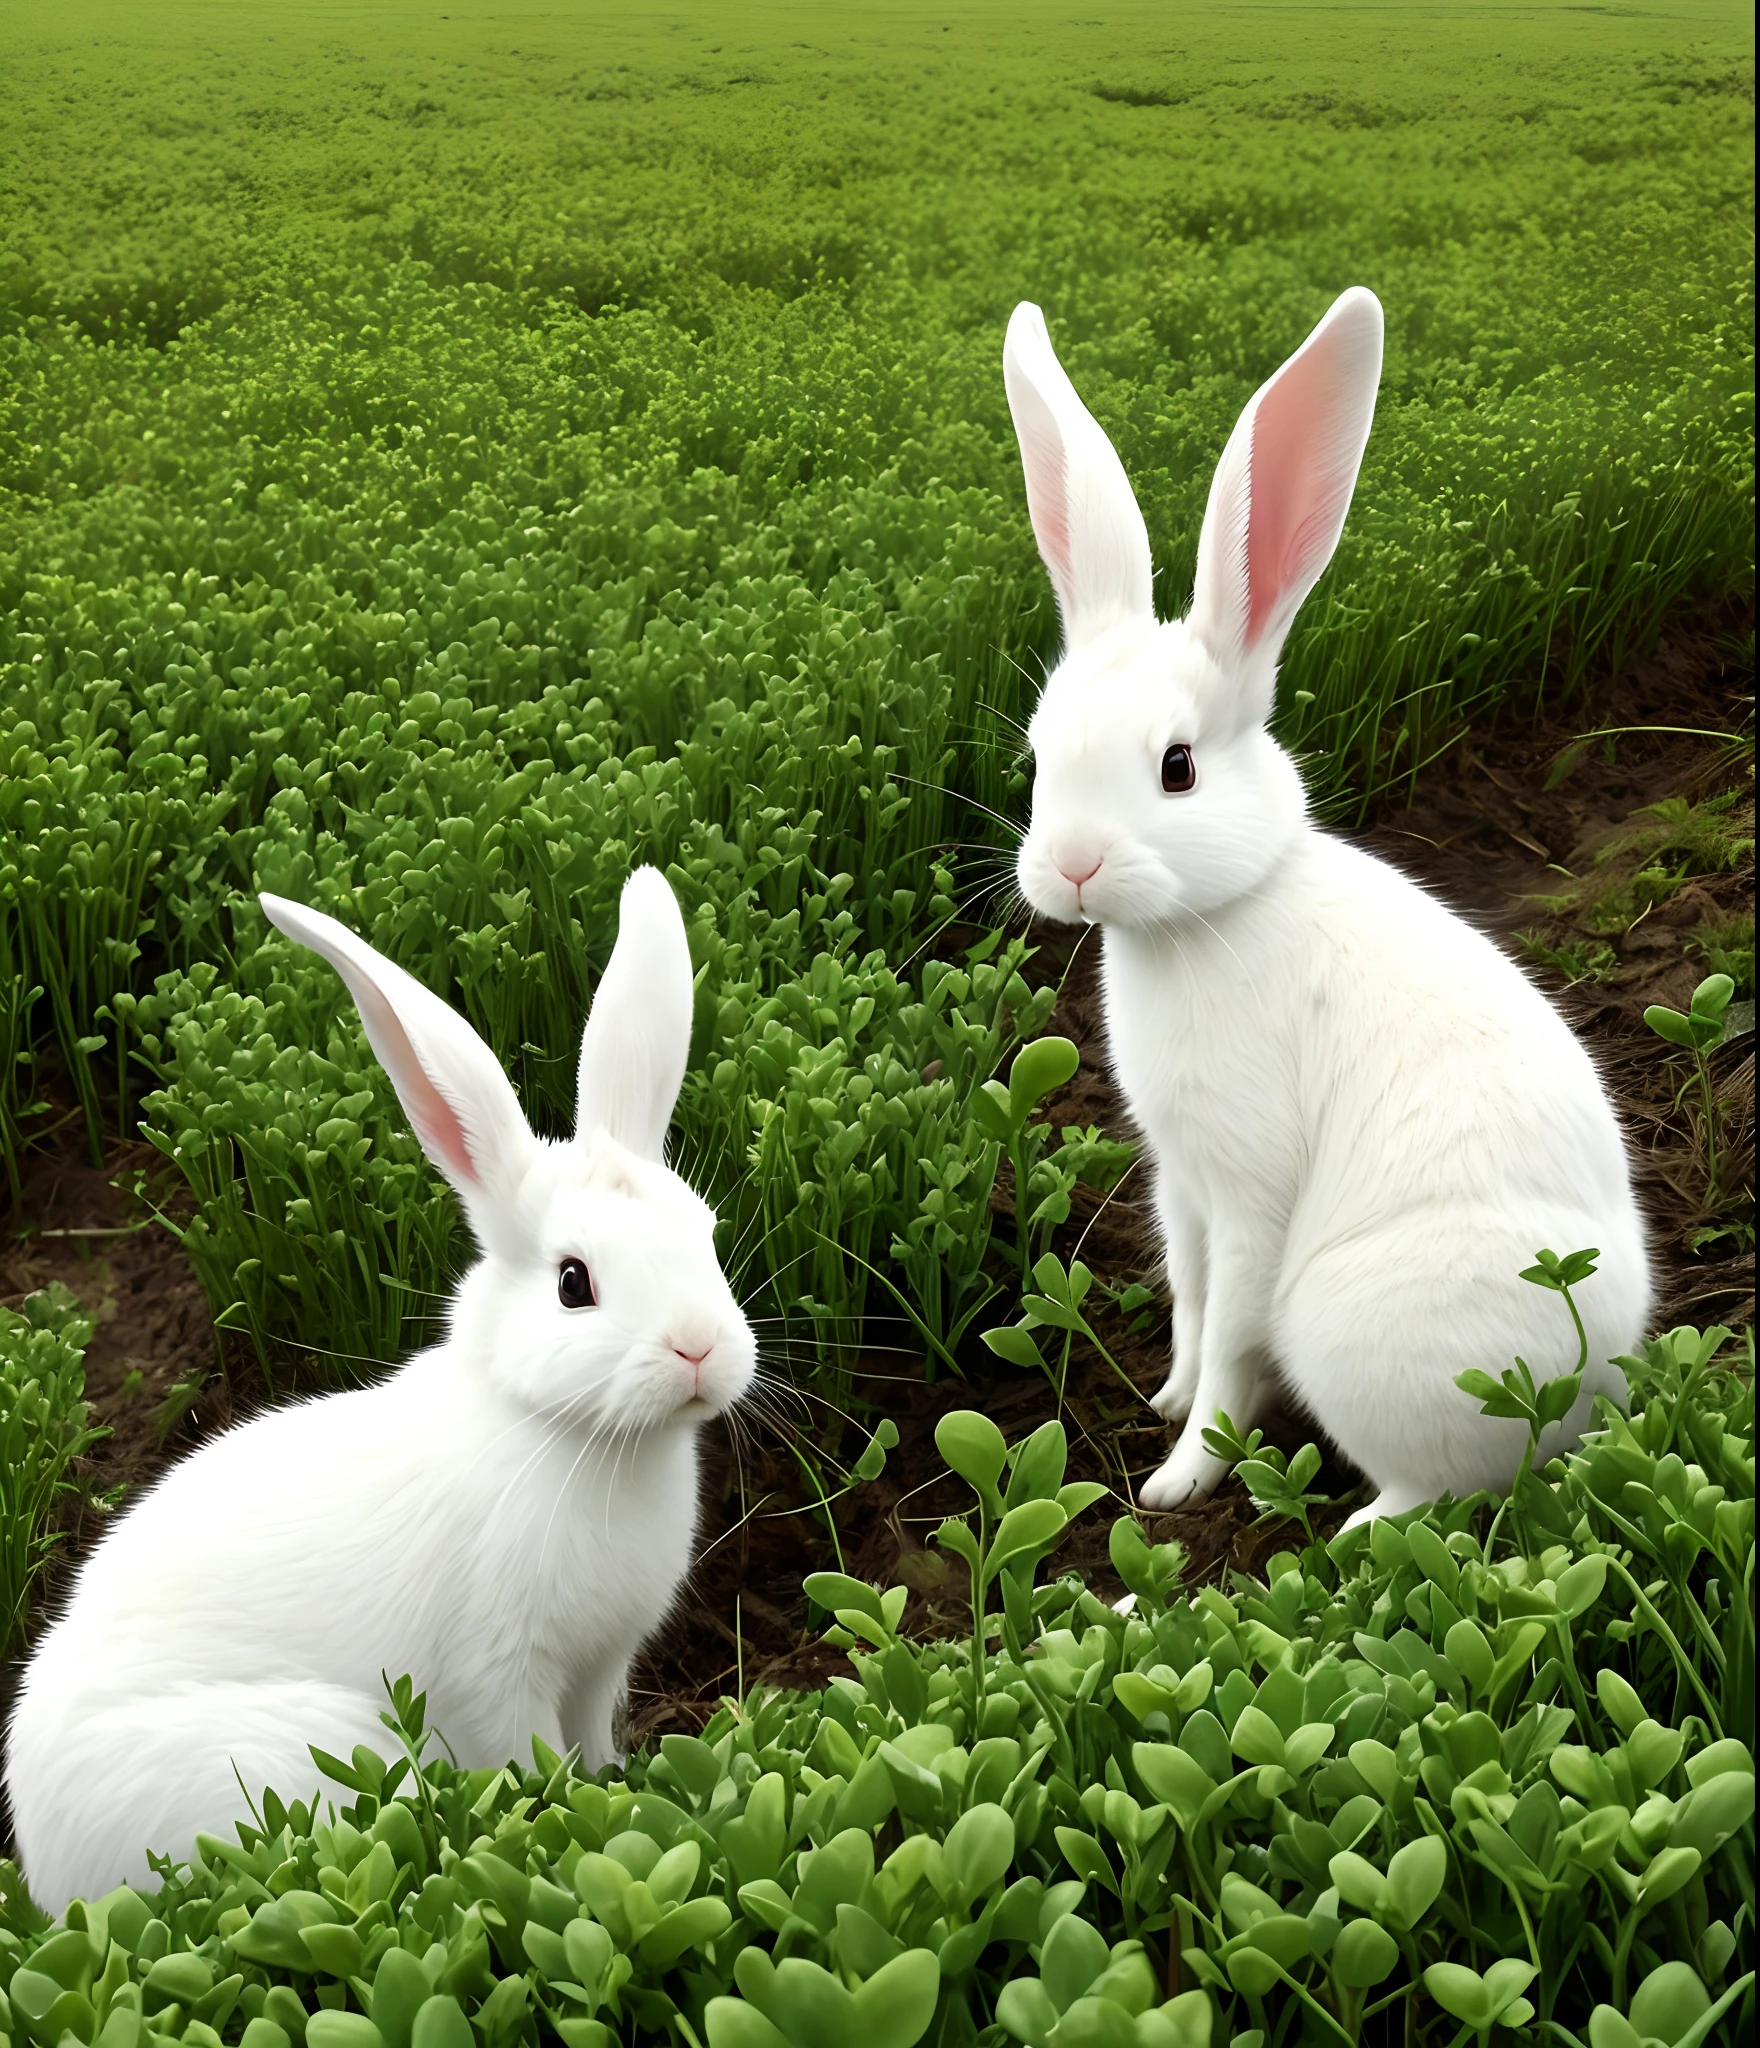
(1493, 827)
(84, 1226)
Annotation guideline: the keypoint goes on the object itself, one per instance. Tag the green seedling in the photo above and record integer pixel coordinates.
(17, 1062)
(1671, 2008)
(1278, 1487)
(868, 1465)
(1572, 960)
(1727, 947)
(1133, 1301)
(794, 2003)
(1699, 1033)
(1005, 1114)
(1083, 1991)
(1054, 1303)
(1514, 1395)
(1482, 2001)
(1149, 1570)
(1017, 1524)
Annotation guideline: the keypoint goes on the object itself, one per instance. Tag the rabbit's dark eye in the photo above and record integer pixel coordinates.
(574, 1285)
(1178, 770)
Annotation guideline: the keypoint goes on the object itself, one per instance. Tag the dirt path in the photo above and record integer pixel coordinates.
(1623, 906)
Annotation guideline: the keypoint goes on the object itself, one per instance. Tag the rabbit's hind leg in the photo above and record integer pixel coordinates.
(155, 1772)
(1372, 1330)
(1391, 1500)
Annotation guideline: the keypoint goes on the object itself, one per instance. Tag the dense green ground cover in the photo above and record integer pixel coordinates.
(1478, 1773)
(445, 458)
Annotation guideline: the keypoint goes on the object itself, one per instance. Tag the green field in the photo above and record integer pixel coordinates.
(451, 454)
(446, 457)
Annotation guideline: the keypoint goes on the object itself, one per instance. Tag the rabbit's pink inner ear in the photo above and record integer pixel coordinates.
(439, 1129)
(1304, 467)
(1047, 473)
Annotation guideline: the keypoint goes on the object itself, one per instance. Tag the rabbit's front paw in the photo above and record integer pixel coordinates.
(1173, 1403)
(1190, 1473)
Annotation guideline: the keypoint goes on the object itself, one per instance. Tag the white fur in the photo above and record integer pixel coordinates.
(1363, 1120)
(505, 1518)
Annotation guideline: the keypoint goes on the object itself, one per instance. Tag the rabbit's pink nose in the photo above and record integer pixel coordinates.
(1079, 867)
(693, 1357)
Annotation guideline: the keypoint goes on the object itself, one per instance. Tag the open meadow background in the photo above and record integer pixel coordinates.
(452, 454)
(449, 455)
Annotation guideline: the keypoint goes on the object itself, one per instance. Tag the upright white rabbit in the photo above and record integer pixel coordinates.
(1363, 1121)
(505, 1518)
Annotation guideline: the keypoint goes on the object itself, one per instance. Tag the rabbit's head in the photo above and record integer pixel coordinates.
(1158, 793)
(599, 1299)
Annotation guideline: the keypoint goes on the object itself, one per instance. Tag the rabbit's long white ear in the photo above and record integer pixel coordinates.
(460, 1104)
(1084, 512)
(1281, 491)
(638, 1038)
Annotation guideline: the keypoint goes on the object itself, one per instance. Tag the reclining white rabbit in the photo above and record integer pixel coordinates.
(1363, 1121)
(505, 1518)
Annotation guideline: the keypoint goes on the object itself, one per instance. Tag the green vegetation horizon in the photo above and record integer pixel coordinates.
(1551, 201)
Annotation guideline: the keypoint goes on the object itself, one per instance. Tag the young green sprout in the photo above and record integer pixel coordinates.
(1699, 1033)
